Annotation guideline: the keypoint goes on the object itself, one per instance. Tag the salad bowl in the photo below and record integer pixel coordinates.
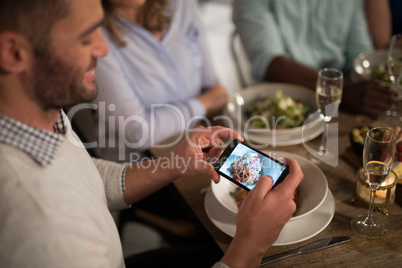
(273, 133)
(371, 66)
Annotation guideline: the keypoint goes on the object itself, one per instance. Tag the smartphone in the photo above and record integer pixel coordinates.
(243, 165)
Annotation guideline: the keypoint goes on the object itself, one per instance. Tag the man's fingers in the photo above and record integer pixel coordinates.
(226, 133)
(289, 185)
(216, 179)
(263, 186)
(240, 203)
(212, 137)
(208, 170)
(213, 154)
(221, 132)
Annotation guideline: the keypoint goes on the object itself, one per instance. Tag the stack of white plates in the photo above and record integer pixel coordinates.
(315, 203)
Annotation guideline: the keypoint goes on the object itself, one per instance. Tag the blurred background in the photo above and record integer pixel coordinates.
(217, 18)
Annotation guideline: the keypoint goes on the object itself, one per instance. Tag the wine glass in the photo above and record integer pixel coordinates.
(328, 97)
(378, 157)
(394, 62)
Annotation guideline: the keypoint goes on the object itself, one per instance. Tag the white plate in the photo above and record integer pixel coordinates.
(292, 232)
(284, 140)
(314, 181)
(241, 100)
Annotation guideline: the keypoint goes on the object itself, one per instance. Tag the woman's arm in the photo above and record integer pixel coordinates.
(378, 15)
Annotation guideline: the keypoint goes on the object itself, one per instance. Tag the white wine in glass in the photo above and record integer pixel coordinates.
(331, 95)
(378, 157)
(328, 98)
(376, 173)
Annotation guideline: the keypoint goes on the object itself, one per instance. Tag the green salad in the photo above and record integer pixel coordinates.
(381, 73)
(278, 111)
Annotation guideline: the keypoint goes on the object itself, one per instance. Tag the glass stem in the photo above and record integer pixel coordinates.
(323, 147)
(369, 219)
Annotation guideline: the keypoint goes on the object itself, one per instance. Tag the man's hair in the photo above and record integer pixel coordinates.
(32, 19)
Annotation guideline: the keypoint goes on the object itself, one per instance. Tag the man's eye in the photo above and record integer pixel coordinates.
(86, 41)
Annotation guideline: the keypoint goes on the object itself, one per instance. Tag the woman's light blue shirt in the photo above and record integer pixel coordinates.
(152, 86)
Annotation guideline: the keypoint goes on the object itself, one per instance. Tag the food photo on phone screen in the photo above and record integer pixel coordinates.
(244, 165)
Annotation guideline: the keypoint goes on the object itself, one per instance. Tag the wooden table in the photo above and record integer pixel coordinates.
(385, 251)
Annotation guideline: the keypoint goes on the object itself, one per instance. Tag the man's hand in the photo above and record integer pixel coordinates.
(190, 157)
(369, 98)
(261, 217)
(202, 147)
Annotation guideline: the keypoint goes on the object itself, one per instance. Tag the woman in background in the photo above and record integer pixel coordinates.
(158, 74)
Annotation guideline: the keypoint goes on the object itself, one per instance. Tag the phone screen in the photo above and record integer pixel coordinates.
(244, 165)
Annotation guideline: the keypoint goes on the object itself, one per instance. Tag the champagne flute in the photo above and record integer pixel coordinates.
(378, 157)
(328, 97)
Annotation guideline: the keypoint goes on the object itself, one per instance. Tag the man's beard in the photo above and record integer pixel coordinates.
(56, 84)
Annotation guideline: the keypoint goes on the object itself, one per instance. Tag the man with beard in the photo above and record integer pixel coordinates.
(55, 200)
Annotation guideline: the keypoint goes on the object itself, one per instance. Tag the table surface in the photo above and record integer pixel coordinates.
(385, 251)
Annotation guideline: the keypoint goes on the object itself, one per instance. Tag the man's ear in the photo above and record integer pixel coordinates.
(15, 53)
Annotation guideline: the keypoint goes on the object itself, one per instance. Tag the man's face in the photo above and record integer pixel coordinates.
(64, 75)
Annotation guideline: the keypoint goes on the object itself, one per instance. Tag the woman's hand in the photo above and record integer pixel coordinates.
(214, 99)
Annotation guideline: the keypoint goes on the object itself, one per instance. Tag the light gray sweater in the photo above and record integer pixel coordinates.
(58, 215)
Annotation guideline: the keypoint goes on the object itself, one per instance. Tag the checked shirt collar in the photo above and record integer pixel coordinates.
(39, 144)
